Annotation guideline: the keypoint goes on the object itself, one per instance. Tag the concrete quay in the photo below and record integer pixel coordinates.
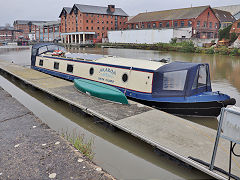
(31, 150)
(172, 135)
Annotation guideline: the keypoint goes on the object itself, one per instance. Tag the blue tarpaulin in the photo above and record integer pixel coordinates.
(181, 79)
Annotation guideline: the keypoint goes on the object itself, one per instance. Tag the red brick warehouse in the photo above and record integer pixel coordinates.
(202, 19)
(84, 23)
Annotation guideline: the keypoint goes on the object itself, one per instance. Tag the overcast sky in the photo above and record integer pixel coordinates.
(11, 10)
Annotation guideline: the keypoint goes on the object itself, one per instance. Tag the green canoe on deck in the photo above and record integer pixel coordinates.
(100, 90)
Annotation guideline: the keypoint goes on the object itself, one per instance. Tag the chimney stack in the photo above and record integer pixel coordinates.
(111, 8)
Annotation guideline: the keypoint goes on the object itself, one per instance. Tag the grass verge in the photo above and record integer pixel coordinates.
(80, 143)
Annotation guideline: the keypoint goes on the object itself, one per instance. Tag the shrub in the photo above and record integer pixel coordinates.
(222, 51)
(224, 33)
(198, 50)
(233, 37)
(234, 52)
(188, 46)
(173, 41)
(209, 50)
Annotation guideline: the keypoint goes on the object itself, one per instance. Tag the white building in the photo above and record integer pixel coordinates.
(148, 36)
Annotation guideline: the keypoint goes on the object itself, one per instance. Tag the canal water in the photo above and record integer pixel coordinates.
(121, 155)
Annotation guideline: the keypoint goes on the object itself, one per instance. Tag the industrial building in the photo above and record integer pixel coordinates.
(85, 24)
(37, 30)
(202, 20)
(7, 34)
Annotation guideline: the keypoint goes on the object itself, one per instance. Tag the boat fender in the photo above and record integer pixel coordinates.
(230, 101)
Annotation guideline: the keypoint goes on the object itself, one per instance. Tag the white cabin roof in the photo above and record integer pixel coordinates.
(136, 63)
(114, 60)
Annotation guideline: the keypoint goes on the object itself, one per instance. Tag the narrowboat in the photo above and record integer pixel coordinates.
(180, 88)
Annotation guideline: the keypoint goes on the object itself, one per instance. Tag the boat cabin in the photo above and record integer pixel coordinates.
(136, 78)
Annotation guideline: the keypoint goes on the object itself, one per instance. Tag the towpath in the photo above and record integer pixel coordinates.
(31, 150)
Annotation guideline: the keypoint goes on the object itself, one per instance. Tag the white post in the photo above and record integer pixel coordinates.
(75, 39)
(72, 39)
(83, 38)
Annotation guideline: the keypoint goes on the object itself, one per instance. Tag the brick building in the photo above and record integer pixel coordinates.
(236, 28)
(225, 18)
(85, 23)
(7, 34)
(26, 26)
(202, 20)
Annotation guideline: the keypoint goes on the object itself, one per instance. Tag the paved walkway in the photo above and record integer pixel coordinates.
(31, 150)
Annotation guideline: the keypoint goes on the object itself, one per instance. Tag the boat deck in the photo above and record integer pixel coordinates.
(173, 135)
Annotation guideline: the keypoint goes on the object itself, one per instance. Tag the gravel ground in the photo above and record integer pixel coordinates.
(31, 150)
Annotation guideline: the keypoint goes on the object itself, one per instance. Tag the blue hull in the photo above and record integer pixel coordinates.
(203, 104)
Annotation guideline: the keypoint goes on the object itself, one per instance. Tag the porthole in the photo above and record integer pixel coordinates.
(125, 77)
(91, 71)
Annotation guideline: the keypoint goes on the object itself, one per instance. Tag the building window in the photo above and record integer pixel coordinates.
(107, 28)
(111, 16)
(238, 25)
(107, 22)
(86, 14)
(216, 25)
(154, 25)
(182, 23)
(205, 24)
(111, 22)
(56, 65)
(87, 28)
(103, 28)
(97, 21)
(92, 28)
(189, 23)
(198, 24)
(102, 22)
(91, 15)
(102, 15)
(149, 25)
(210, 24)
(86, 21)
(175, 23)
(41, 62)
(70, 68)
(136, 26)
(91, 21)
(98, 28)
(160, 24)
(167, 24)
(142, 26)
(120, 23)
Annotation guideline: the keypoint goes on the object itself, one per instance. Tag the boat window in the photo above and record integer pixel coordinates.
(125, 77)
(69, 68)
(56, 65)
(201, 77)
(40, 62)
(91, 71)
(174, 80)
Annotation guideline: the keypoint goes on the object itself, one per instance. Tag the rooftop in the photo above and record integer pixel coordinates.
(224, 16)
(94, 10)
(233, 9)
(184, 13)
